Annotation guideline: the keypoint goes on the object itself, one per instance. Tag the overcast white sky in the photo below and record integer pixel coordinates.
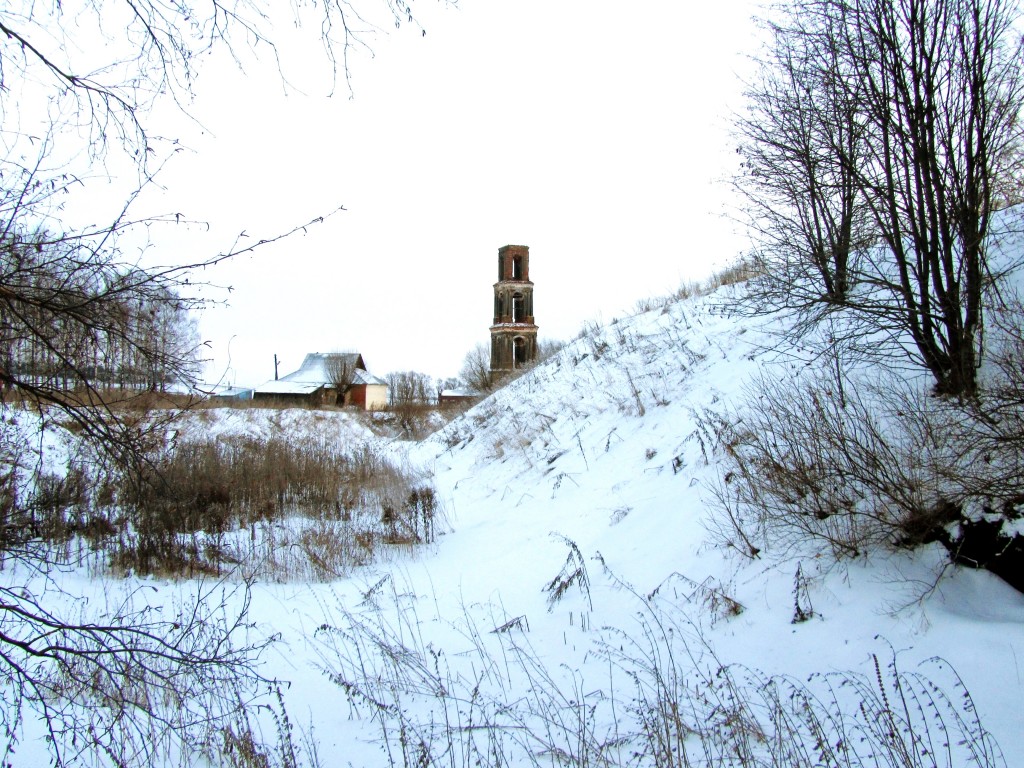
(595, 133)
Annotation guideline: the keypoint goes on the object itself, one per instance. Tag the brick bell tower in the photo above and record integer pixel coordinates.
(513, 334)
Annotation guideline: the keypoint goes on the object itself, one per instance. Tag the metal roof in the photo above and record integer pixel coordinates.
(318, 370)
(284, 387)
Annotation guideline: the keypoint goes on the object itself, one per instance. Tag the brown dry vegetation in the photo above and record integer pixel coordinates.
(271, 507)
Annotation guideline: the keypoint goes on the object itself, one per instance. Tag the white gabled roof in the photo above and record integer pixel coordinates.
(286, 387)
(316, 366)
(365, 377)
(315, 372)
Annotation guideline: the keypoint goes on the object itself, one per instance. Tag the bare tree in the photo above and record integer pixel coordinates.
(339, 368)
(476, 369)
(139, 50)
(801, 141)
(409, 388)
(945, 97)
(920, 103)
(452, 382)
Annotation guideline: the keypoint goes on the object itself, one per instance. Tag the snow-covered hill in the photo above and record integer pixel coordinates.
(602, 462)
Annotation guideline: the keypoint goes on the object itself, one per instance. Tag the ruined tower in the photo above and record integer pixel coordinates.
(513, 334)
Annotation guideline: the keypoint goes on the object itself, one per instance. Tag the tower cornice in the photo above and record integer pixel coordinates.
(514, 282)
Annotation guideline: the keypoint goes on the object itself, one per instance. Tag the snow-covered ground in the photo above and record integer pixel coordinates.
(603, 460)
(608, 446)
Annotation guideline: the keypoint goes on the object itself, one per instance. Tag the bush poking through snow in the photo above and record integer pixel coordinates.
(808, 467)
(817, 467)
(273, 507)
(851, 471)
(572, 574)
(803, 610)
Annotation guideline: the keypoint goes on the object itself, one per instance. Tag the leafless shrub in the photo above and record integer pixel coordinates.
(999, 411)
(802, 608)
(411, 421)
(807, 464)
(830, 459)
(310, 510)
(476, 369)
(476, 373)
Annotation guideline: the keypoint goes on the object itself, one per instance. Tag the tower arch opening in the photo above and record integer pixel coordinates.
(519, 352)
(518, 308)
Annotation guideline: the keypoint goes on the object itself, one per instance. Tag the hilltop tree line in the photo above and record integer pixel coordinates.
(879, 141)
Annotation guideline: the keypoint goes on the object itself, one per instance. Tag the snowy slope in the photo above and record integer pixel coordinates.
(609, 446)
(264, 423)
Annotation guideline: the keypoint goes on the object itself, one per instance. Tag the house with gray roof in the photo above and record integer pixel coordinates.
(327, 378)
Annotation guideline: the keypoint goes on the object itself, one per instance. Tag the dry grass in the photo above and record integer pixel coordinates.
(283, 510)
(660, 699)
(807, 465)
(279, 508)
(819, 467)
(740, 272)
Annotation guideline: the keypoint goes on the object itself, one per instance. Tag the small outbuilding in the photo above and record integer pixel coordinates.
(451, 398)
(223, 393)
(367, 391)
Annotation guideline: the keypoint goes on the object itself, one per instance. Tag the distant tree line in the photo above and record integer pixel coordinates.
(70, 320)
(410, 388)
